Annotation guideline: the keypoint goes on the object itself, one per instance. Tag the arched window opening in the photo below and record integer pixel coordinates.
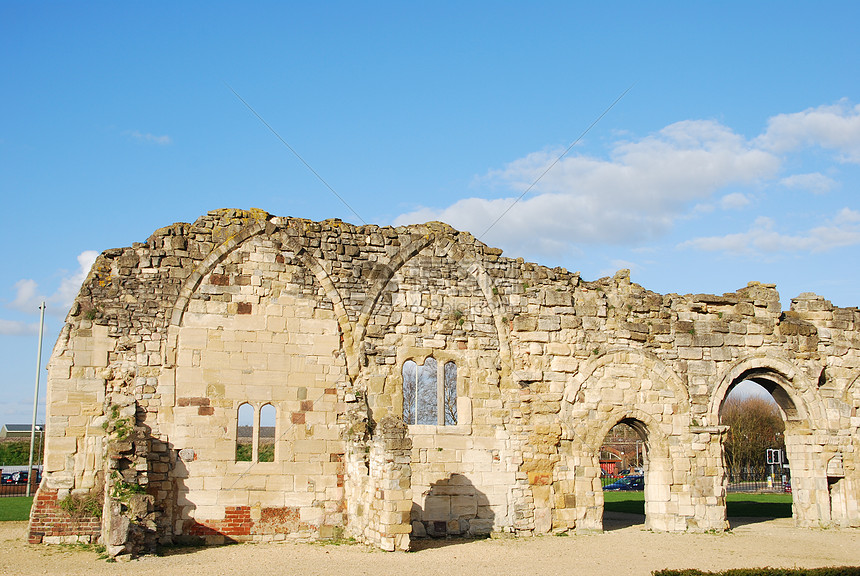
(266, 446)
(245, 433)
(450, 394)
(430, 393)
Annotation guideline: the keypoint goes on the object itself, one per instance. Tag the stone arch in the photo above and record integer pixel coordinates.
(192, 282)
(293, 379)
(593, 436)
(792, 390)
(806, 430)
(650, 364)
(624, 386)
(220, 252)
(852, 395)
(466, 260)
(383, 274)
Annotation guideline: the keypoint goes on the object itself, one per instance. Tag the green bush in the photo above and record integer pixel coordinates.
(827, 571)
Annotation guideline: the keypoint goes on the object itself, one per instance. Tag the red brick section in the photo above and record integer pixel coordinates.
(192, 401)
(219, 279)
(48, 520)
(237, 523)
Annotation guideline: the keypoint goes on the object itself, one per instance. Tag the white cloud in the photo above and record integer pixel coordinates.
(634, 196)
(617, 264)
(28, 297)
(834, 127)
(17, 328)
(843, 230)
(147, 137)
(70, 285)
(644, 187)
(815, 182)
(734, 201)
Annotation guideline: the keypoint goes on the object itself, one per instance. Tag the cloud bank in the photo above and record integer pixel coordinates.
(645, 186)
(842, 230)
(28, 297)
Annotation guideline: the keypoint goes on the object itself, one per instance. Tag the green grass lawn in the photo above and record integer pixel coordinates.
(737, 505)
(629, 502)
(15, 508)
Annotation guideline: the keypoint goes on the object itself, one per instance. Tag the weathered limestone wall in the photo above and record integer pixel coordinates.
(256, 332)
(168, 338)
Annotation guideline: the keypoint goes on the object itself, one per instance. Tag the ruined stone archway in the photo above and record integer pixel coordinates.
(629, 386)
(656, 459)
(434, 299)
(799, 406)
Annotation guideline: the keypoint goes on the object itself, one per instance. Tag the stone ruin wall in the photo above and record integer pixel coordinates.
(169, 337)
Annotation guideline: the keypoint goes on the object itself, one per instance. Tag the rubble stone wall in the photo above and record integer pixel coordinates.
(168, 338)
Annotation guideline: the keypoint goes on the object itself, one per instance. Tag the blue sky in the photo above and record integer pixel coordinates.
(735, 156)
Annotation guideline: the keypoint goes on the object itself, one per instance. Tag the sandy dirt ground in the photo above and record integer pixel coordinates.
(622, 549)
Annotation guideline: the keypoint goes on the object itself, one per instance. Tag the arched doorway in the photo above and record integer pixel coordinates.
(758, 478)
(635, 389)
(623, 466)
(754, 446)
(794, 396)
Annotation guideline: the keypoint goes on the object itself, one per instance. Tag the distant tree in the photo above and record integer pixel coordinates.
(755, 425)
(15, 453)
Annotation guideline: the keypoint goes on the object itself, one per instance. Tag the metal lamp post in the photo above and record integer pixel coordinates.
(35, 398)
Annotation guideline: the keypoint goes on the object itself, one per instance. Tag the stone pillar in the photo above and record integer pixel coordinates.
(706, 509)
(128, 518)
(379, 486)
(810, 496)
(391, 484)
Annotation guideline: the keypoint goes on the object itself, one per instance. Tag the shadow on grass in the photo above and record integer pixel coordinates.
(743, 509)
(622, 509)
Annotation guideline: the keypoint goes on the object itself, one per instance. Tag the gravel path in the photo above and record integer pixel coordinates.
(627, 549)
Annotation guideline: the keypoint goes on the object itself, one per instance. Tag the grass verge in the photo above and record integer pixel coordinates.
(15, 508)
(737, 505)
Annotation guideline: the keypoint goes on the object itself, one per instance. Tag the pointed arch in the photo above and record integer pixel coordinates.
(852, 393)
(645, 362)
(791, 388)
(217, 255)
(273, 228)
(465, 258)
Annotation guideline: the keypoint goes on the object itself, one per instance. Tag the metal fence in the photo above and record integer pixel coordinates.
(774, 479)
(14, 482)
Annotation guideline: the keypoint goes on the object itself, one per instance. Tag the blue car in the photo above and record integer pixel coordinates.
(633, 483)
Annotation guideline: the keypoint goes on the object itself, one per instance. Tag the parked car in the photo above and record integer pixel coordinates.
(627, 484)
(22, 476)
(7, 479)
